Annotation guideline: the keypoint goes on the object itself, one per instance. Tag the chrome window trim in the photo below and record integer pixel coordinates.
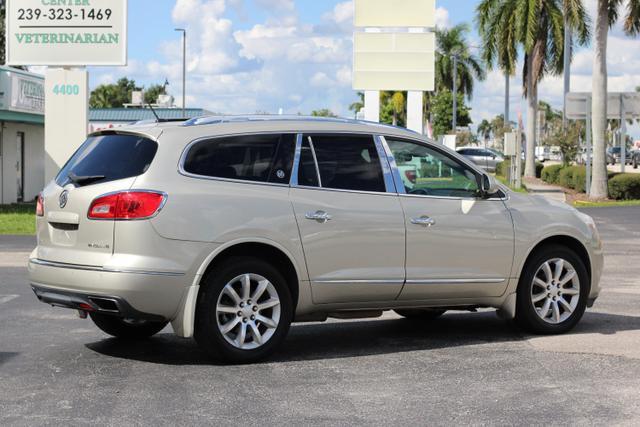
(102, 269)
(400, 184)
(389, 181)
(187, 148)
(315, 160)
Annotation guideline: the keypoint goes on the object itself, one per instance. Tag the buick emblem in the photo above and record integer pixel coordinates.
(64, 197)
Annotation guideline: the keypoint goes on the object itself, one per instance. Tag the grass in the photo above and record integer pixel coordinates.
(18, 219)
(606, 204)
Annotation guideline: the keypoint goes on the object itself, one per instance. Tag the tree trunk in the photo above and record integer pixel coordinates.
(395, 118)
(532, 109)
(599, 188)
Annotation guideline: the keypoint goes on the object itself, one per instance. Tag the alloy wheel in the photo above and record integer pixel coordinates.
(555, 291)
(248, 311)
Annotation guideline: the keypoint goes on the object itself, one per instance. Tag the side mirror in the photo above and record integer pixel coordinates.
(488, 186)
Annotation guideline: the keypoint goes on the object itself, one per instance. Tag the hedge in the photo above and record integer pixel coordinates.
(625, 186)
(550, 173)
(503, 169)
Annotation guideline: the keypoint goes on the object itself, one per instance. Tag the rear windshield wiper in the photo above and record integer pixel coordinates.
(84, 180)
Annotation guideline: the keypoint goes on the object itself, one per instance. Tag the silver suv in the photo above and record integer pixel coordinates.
(233, 228)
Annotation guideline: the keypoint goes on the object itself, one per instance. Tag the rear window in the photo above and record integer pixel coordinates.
(258, 158)
(107, 158)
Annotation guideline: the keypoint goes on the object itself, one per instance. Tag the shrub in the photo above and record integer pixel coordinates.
(550, 173)
(624, 186)
(565, 177)
(503, 169)
(579, 178)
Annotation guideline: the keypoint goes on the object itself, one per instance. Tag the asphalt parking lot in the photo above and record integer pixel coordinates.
(465, 368)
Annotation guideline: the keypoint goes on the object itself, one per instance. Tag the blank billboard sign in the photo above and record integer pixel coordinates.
(394, 61)
(395, 13)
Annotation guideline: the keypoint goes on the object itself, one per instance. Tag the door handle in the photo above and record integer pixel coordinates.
(320, 216)
(424, 221)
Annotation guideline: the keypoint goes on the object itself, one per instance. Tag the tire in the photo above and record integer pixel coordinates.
(126, 328)
(218, 309)
(424, 314)
(548, 293)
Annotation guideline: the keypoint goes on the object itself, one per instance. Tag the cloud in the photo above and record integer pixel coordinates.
(442, 18)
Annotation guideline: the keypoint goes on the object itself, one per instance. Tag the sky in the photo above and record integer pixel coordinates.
(248, 56)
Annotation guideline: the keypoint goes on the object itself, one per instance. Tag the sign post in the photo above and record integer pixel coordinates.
(396, 52)
(73, 33)
(620, 105)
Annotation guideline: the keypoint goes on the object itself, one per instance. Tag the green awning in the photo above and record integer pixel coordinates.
(15, 117)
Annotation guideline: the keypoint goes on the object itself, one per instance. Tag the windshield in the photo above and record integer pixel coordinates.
(107, 158)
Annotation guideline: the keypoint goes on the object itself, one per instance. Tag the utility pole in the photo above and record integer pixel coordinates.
(455, 92)
(506, 100)
(567, 69)
(184, 71)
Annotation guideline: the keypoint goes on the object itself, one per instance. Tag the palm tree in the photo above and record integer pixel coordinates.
(484, 130)
(452, 42)
(538, 28)
(357, 106)
(607, 15)
(395, 103)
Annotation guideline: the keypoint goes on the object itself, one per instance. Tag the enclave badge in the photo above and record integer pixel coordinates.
(63, 199)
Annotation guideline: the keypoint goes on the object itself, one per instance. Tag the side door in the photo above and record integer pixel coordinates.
(350, 219)
(458, 245)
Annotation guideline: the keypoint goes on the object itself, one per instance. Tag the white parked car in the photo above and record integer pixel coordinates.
(233, 228)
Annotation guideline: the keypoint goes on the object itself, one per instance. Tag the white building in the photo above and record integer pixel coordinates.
(21, 135)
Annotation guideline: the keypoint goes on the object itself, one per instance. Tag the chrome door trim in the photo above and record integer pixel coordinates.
(102, 269)
(451, 281)
(296, 161)
(315, 160)
(358, 281)
(387, 171)
(395, 172)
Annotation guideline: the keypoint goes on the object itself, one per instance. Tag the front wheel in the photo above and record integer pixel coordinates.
(126, 328)
(553, 291)
(244, 311)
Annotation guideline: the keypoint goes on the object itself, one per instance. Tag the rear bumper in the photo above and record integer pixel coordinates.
(148, 293)
(111, 305)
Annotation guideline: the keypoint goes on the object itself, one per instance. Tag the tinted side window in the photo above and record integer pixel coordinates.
(259, 158)
(348, 162)
(109, 158)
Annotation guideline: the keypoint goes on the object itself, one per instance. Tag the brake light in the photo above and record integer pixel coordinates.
(411, 175)
(40, 205)
(127, 205)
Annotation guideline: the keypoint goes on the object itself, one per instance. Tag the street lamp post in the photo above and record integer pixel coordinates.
(184, 71)
(455, 92)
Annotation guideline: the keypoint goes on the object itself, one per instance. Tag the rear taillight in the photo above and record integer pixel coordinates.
(411, 176)
(40, 205)
(127, 205)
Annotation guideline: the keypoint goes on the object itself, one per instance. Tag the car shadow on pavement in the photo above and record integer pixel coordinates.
(5, 356)
(336, 340)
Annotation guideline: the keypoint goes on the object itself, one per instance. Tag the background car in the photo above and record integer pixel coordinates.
(485, 158)
(615, 153)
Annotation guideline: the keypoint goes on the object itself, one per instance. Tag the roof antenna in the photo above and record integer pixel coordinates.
(154, 112)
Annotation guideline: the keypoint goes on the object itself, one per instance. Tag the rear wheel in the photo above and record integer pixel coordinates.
(553, 291)
(421, 314)
(126, 328)
(244, 311)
